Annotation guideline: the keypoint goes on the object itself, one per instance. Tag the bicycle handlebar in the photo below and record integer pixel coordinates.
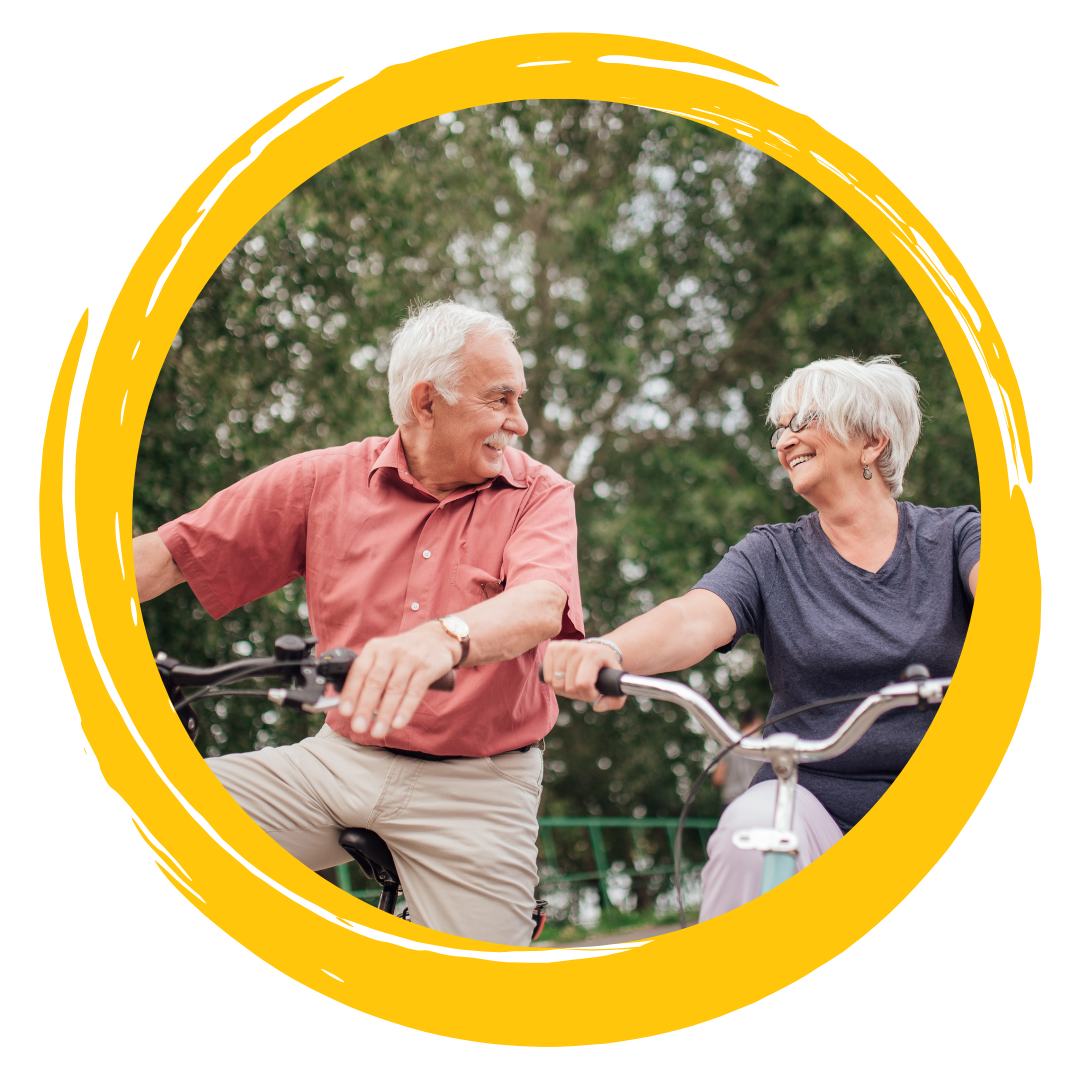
(785, 751)
(311, 677)
(919, 692)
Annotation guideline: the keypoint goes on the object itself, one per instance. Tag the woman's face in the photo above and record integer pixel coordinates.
(819, 467)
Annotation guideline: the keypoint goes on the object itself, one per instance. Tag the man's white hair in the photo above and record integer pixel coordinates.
(428, 346)
(857, 400)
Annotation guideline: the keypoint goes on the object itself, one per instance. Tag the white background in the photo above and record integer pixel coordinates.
(112, 110)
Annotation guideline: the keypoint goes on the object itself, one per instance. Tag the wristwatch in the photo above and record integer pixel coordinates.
(458, 629)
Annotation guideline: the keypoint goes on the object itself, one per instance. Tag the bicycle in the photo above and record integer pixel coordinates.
(311, 677)
(784, 751)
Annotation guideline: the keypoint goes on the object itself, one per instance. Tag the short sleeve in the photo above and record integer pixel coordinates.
(738, 581)
(246, 541)
(543, 547)
(967, 541)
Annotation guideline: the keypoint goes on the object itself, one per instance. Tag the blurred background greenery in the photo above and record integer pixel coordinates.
(662, 277)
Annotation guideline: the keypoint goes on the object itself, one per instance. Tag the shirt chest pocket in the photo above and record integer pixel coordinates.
(470, 585)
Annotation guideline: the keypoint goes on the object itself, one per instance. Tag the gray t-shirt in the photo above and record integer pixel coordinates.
(829, 628)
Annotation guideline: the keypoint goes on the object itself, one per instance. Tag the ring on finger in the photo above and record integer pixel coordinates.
(560, 675)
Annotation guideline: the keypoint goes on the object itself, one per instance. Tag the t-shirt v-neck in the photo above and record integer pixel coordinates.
(886, 568)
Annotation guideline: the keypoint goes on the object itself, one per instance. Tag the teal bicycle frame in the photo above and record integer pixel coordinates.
(784, 751)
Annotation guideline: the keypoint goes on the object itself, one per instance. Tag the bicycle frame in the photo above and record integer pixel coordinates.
(784, 751)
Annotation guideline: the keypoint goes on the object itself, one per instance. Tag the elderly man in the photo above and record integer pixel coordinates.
(440, 547)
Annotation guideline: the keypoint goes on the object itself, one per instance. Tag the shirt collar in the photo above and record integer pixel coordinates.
(392, 456)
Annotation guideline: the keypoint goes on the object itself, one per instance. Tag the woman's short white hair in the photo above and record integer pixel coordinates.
(428, 346)
(857, 400)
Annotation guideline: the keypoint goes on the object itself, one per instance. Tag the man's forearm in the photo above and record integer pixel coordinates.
(391, 675)
(155, 569)
(513, 622)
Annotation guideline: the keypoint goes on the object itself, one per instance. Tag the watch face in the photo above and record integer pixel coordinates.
(458, 627)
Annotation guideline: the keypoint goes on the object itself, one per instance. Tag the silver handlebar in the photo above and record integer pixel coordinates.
(785, 751)
(895, 696)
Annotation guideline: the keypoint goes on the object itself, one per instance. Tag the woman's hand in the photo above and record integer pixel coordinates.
(673, 636)
(571, 669)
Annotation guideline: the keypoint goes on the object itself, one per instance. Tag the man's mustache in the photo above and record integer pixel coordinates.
(501, 439)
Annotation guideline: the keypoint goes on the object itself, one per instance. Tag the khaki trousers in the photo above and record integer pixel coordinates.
(462, 832)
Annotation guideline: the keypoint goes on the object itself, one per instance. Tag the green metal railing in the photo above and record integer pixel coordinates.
(594, 826)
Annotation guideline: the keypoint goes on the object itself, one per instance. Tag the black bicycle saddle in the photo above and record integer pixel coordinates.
(371, 853)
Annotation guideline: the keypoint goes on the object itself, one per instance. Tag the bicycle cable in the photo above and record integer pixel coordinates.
(213, 691)
(677, 851)
(216, 691)
(815, 705)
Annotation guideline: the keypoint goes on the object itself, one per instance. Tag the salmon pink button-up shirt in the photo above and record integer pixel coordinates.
(380, 555)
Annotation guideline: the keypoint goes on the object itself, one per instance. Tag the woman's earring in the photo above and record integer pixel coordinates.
(867, 474)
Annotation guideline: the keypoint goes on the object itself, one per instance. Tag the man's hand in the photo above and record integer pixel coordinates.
(391, 675)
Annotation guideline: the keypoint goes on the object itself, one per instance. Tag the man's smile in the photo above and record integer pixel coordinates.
(499, 441)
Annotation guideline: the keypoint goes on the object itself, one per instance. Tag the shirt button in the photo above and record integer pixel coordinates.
(416, 607)
(427, 554)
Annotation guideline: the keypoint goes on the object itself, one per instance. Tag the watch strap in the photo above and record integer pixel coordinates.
(461, 639)
(464, 643)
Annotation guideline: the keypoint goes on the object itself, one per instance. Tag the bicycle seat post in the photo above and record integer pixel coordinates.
(388, 897)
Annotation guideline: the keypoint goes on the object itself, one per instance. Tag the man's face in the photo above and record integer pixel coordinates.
(470, 436)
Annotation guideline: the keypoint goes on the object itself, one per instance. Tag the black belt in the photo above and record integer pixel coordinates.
(455, 757)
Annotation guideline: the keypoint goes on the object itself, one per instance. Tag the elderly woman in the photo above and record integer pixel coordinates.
(842, 600)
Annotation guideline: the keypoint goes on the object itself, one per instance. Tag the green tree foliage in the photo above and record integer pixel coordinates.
(663, 278)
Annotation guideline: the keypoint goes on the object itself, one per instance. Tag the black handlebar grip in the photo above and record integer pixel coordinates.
(609, 682)
(446, 682)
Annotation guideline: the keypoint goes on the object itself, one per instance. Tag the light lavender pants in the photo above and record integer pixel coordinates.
(732, 877)
(462, 832)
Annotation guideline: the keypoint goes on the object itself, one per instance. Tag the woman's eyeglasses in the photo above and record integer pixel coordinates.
(796, 424)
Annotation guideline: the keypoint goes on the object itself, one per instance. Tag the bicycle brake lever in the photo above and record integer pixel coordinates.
(309, 699)
(305, 699)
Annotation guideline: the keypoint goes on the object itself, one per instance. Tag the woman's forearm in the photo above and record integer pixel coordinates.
(676, 634)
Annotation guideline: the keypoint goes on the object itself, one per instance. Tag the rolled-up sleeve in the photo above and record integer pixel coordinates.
(247, 540)
(543, 547)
